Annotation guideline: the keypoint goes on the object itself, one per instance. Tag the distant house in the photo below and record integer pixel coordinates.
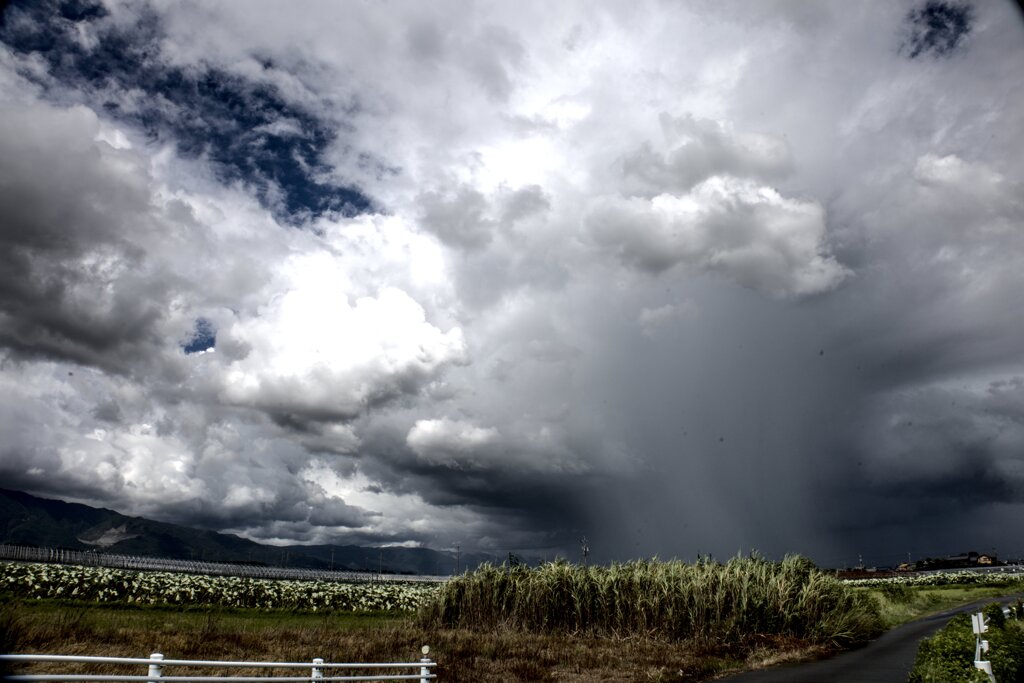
(961, 561)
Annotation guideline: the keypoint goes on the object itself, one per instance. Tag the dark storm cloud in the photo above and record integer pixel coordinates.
(937, 27)
(534, 490)
(534, 512)
(108, 412)
(71, 286)
(247, 130)
(901, 490)
(976, 480)
(961, 442)
(303, 509)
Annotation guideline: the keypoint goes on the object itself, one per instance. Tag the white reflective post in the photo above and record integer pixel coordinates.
(425, 670)
(987, 668)
(978, 622)
(156, 668)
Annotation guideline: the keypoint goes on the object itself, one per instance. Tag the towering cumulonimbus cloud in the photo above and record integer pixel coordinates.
(683, 279)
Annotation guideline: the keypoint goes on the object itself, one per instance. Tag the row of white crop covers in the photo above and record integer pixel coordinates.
(102, 584)
(947, 578)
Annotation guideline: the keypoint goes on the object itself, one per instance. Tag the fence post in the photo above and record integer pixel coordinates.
(155, 668)
(317, 671)
(425, 670)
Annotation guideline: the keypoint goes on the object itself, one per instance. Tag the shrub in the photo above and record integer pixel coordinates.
(898, 593)
(948, 656)
(994, 615)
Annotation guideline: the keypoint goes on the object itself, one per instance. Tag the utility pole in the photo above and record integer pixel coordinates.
(585, 547)
(458, 557)
(380, 564)
(332, 559)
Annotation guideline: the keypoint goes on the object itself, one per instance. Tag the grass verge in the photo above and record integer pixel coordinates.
(899, 604)
(500, 654)
(948, 656)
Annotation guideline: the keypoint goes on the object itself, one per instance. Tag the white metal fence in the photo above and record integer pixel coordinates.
(96, 559)
(319, 671)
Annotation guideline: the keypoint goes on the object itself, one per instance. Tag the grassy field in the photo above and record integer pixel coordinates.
(746, 613)
(500, 655)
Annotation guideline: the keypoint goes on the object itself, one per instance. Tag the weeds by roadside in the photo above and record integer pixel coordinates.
(898, 606)
(948, 656)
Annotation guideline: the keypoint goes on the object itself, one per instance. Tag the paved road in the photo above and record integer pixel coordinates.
(888, 659)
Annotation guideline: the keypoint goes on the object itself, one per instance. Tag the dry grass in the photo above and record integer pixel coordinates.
(734, 602)
(498, 655)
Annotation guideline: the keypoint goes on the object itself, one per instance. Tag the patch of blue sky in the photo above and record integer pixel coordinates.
(204, 337)
(937, 27)
(245, 129)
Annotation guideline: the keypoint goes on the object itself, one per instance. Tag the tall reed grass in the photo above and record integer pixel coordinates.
(742, 599)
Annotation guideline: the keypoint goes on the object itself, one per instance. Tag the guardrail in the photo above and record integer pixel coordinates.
(95, 559)
(319, 670)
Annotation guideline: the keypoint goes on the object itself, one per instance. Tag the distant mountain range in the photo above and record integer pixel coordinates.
(29, 520)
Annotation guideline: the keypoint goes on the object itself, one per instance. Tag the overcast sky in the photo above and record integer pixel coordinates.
(682, 277)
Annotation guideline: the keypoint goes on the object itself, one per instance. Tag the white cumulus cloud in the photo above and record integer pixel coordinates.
(317, 352)
(748, 232)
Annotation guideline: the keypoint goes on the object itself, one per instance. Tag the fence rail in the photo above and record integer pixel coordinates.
(420, 671)
(96, 559)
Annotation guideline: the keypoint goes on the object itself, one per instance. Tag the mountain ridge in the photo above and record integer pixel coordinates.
(26, 519)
